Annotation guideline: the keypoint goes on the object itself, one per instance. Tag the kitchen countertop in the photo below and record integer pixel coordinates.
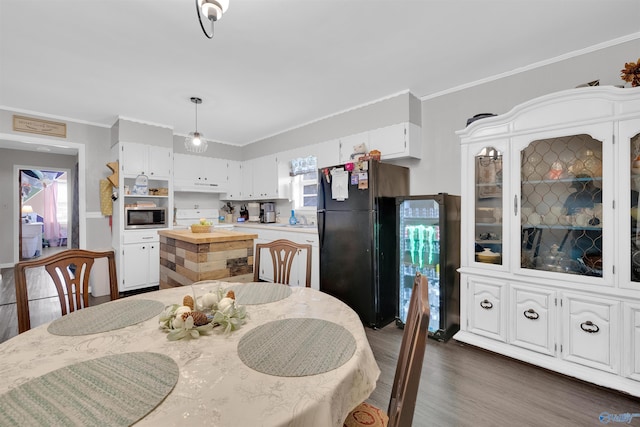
(308, 229)
(213, 237)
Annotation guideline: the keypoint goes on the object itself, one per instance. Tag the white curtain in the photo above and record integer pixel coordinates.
(51, 226)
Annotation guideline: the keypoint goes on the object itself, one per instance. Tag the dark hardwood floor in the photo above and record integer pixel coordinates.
(460, 385)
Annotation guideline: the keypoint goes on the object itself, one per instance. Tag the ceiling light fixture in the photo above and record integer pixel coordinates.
(211, 10)
(195, 142)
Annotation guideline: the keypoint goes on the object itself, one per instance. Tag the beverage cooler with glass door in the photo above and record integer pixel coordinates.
(429, 243)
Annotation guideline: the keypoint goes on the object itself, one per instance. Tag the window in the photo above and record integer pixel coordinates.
(305, 191)
(304, 183)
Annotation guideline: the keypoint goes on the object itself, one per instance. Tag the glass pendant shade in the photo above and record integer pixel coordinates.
(195, 142)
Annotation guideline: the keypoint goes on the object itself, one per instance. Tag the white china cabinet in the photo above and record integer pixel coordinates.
(550, 248)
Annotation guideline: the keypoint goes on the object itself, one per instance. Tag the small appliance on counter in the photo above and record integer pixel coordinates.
(268, 212)
(254, 212)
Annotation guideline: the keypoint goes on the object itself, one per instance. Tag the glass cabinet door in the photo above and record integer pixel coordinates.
(561, 212)
(631, 130)
(488, 206)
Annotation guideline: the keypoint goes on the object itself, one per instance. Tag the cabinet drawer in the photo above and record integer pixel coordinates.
(140, 237)
(533, 318)
(590, 331)
(487, 315)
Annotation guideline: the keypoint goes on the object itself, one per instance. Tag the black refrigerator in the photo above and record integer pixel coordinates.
(357, 233)
(429, 243)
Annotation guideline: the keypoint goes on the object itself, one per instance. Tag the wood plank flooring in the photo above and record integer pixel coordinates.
(460, 385)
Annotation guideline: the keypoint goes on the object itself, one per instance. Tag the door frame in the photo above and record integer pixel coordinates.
(82, 201)
(17, 170)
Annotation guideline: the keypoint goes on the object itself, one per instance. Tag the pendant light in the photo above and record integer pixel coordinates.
(195, 142)
(211, 10)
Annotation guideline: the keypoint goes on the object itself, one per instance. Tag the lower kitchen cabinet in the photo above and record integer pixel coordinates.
(631, 341)
(533, 318)
(590, 330)
(487, 314)
(139, 261)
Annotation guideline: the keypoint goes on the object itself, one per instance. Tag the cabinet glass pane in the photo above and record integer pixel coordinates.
(635, 195)
(561, 205)
(488, 209)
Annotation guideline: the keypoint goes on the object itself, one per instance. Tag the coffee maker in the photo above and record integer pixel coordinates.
(267, 212)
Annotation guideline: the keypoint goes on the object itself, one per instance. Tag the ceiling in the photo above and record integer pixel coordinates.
(274, 65)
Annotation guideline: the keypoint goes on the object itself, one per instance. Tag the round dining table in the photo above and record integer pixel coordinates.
(301, 358)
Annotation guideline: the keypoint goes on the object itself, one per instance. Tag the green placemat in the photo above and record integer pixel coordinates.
(296, 347)
(106, 317)
(260, 292)
(115, 390)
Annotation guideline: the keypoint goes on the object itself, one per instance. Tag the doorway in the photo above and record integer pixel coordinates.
(45, 211)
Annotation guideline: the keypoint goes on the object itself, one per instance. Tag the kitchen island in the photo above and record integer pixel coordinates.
(187, 257)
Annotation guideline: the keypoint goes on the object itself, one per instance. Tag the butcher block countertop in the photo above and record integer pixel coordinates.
(216, 236)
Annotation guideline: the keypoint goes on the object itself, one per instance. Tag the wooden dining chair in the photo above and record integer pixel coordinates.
(282, 253)
(70, 272)
(408, 370)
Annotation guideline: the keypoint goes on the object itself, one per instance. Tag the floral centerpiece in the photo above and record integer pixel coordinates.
(631, 73)
(192, 319)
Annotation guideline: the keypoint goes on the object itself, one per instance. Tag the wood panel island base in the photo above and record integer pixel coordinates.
(187, 257)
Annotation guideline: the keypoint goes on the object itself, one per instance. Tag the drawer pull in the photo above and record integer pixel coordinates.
(589, 327)
(531, 314)
(486, 304)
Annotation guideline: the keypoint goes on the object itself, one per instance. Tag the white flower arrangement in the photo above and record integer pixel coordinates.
(191, 319)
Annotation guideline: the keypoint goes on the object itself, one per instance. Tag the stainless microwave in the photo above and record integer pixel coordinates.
(144, 217)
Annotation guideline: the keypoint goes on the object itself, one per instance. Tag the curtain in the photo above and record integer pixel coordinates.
(51, 226)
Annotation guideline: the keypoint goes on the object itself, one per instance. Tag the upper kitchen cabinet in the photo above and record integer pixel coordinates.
(199, 173)
(352, 144)
(234, 181)
(143, 159)
(549, 216)
(327, 153)
(397, 141)
(264, 178)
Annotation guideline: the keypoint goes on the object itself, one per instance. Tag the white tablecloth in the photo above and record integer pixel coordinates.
(215, 388)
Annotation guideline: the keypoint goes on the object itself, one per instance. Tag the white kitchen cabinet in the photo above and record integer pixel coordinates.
(487, 313)
(327, 153)
(533, 318)
(234, 180)
(397, 141)
(546, 209)
(263, 178)
(143, 159)
(140, 260)
(590, 327)
(199, 173)
(348, 143)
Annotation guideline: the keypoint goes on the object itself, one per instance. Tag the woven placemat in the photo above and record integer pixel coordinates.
(115, 390)
(260, 292)
(296, 347)
(106, 317)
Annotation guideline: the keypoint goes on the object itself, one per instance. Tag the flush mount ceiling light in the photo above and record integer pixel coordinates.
(195, 142)
(211, 10)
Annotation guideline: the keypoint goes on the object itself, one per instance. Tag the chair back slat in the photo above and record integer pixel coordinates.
(409, 368)
(70, 271)
(283, 253)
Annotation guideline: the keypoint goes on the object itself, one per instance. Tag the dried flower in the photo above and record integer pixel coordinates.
(631, 73)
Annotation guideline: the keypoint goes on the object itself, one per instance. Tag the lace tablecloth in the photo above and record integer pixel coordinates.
(215, 387)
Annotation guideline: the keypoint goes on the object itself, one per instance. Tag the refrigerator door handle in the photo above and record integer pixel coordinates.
(321, 227)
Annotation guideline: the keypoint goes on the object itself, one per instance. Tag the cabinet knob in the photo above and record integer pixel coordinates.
(531, 314)
(589, 327)
(486, 304)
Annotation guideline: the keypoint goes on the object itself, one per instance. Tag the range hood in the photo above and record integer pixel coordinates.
(181, 185)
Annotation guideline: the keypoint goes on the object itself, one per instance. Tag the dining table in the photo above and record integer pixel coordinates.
(301, 358)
